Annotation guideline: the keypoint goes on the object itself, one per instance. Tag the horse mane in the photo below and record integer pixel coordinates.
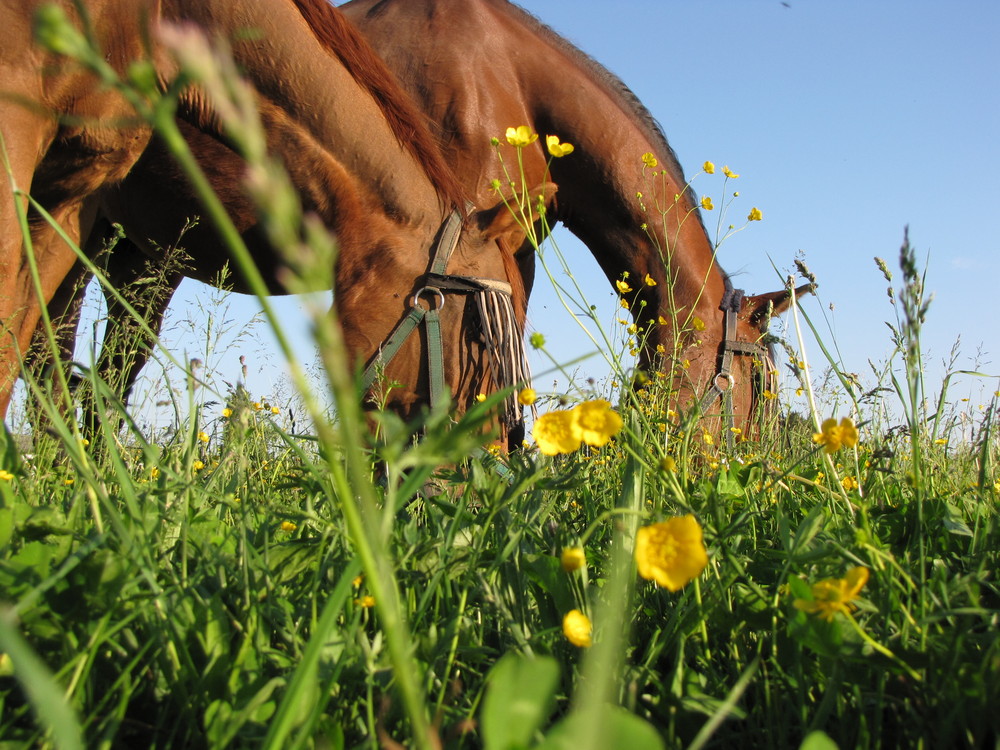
(407, 123)
(518, 294)
(617, 90)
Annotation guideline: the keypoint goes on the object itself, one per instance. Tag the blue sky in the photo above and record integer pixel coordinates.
(846, 120)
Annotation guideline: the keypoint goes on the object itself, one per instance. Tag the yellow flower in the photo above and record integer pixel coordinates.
(707, 204)
(203, 437)
(367, 601)
(556, 148)
(481, 397)
(275, 410)
(729, 173)
(849, 483)
(834, 595)
(671, 553)
(597, 422)
(661, 320)
(592, 422)
(834, 436)
(5, 475)
(709, 440)
(623, 286)
(649, 160)
(527, 396)
(697, 323)
(941, 441)
(624, 303)
(649, 280)
(288, 526)
(668, 464)
(755, 214)
(521, 136)
(227, 413)
(554, 433)
(572, 558)
(577, 629)
(154, 472)
(256, 406)
(708, 167)
(197, 465)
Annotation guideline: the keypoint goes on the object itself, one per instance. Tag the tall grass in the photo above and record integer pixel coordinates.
(238, 584)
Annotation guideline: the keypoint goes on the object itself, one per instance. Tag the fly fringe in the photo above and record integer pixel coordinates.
(504, 343)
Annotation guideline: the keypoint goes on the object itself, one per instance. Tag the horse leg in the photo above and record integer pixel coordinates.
(41, 358)
(23, 139)
(126, 346)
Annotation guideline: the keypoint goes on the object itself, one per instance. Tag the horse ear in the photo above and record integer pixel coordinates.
(762, 307)
(500, 222)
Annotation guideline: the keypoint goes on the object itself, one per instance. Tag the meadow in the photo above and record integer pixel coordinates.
(270, 577)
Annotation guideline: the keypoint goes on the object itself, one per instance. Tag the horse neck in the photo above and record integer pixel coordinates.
(332, 135)
(659, 233)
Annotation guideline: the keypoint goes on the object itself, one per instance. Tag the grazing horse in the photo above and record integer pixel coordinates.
(479, 66)
(363, 161)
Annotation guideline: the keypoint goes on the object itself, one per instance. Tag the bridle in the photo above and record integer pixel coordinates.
(723, 382)
(502, 337)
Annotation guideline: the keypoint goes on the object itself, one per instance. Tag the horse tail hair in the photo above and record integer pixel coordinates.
(407, 123)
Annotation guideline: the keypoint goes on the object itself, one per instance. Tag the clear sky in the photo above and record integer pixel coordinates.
(846, 120)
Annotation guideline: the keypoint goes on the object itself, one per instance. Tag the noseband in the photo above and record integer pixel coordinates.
(502, 337)
(724, 382)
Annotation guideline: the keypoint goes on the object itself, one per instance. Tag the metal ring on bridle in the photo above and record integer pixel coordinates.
(428, 290)
(728, 379)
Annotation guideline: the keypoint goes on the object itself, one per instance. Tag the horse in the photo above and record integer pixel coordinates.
(479, 66)
(364, 162)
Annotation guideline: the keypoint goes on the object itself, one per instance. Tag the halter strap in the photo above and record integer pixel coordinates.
(723, 382)
(444, 248)
(438, 282)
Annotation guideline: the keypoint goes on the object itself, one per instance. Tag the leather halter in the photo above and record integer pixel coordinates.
(724, 382)
(437, 283)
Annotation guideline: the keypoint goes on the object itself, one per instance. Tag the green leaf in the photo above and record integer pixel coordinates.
(519, 697)
(47, 698)
(953, 522)
(6, 526)
(621, 729)
(807, 531)
(818, 740)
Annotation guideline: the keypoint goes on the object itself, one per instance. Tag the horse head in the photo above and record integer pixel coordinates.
(730, 373)
(457, 331)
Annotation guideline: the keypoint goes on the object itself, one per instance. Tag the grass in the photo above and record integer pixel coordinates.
(237, 584)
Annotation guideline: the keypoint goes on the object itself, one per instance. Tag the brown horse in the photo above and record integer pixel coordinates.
(363, 161)
(479, 66)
